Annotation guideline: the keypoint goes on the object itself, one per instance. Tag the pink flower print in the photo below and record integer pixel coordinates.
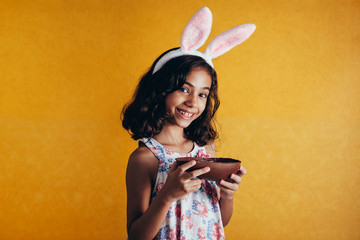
(161, 164)
(210, 191)
(201, 153)
(218, 231)
(168, 152)
(154, 150)
(163, 167)
(188, 222)
(178, 211)
(201, 233)
(185, 198)
(201, 209)
(172, 234)
(158, 187)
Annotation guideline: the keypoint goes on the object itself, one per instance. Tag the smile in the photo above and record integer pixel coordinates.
(185, 114)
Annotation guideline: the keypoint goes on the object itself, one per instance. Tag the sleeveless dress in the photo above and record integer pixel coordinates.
(194, 216)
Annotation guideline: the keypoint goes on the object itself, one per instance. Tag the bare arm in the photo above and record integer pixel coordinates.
(226, 189)
(226, 192)
(144, 220)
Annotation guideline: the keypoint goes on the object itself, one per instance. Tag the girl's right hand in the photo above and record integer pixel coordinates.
(180, 183)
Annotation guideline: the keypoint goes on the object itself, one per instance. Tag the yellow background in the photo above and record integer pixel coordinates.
(290, 111)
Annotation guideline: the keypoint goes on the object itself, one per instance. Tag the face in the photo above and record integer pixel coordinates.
(188, 103)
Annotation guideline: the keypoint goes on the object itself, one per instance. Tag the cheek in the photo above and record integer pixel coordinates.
(203, 106)
(170, 102)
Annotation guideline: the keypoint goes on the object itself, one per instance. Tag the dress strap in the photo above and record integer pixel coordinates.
(163, 153)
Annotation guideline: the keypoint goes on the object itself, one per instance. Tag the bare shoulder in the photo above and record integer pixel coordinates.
(211, 149)
(141, 170)
(143, 156)
(142, 161)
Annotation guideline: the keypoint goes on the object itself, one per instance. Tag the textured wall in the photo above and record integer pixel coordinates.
(290, 111)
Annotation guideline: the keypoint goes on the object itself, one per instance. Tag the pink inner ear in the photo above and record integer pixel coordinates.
(229, 39)
(197, 30)
(191, 39)
(225, 45)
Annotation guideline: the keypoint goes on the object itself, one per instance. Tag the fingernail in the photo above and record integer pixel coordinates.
(207, 169)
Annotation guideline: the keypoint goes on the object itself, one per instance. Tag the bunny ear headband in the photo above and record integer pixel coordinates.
(198, 30)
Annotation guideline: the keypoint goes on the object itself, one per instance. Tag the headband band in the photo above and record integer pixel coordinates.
(196, 33)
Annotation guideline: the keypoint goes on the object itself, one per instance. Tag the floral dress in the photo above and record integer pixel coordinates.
(194, 216)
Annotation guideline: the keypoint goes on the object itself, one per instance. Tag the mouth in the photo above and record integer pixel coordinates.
(185, 114)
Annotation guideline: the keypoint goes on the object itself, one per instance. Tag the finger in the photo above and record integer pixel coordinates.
(224, 189)
(197, 172)
(229, 185)
(187, 165)
(242, 171)
(194, 188)
(226, 193)
(236, 178)
(194, 185)
(173, 167)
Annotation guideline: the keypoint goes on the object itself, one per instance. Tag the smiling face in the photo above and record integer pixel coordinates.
(188, 103)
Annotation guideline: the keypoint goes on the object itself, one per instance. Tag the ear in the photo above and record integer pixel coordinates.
(229, 39)
(197, 30)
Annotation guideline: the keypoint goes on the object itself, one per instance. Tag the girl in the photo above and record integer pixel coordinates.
(172, 114)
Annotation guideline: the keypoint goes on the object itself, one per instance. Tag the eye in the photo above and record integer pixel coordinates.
(185, 90)
(203, 95)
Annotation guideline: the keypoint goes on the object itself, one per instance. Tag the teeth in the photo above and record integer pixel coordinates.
(186, 113)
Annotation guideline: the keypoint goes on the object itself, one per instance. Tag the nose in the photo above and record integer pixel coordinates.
(191, 101)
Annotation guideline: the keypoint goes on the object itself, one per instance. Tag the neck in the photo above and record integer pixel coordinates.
(171, 135)
(173, 138)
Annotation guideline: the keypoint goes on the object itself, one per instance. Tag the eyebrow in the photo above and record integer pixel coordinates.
(206, 88)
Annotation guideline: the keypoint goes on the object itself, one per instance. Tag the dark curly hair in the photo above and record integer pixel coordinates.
(145, 114)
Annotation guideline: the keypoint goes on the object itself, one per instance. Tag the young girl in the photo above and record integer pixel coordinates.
(172, 114)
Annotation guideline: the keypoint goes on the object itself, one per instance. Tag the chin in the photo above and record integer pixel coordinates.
(182, 123)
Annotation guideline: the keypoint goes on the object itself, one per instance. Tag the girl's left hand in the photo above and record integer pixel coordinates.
(228, 189)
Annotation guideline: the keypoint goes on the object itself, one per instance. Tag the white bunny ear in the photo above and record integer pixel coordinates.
(196, 33)
(229, 39)
(197, 30)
